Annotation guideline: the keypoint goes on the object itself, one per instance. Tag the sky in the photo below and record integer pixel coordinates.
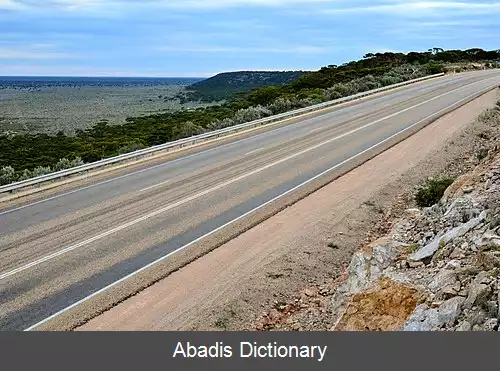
(200, 38)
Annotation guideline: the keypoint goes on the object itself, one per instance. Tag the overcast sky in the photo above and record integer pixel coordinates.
(204, 37)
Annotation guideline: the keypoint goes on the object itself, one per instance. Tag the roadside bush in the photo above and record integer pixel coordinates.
(240, 117)
(387, 80)
(315, 96)
(281, 105)
(25, 175)
(250, 114)
(64, 163)
(221, 124)
(77, 161)
(342, 89)
(131, 147)
(491, 116)
(7, 175)
(303, 103)
(186, 129)
(41, 170)
(361, 86)
(370, 81)
(331, 94)
(435, 68)
(430, 193)
(482, 154)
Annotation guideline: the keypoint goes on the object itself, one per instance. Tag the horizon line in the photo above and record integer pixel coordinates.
(204, 76)
(112, 77)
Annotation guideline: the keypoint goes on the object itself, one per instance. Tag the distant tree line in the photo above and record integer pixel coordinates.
(27, 155)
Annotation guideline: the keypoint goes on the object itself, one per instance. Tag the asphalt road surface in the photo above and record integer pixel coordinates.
(59, 250)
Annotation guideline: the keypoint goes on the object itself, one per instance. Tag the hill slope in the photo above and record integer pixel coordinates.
(225, 85)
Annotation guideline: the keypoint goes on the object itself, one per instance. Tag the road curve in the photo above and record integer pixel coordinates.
(58, 251)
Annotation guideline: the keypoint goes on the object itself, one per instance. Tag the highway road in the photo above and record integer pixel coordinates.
(62, 250)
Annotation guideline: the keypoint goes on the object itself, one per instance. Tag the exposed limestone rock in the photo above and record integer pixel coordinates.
(438, 269)
(478, 295)
(444, 278)
(366, 265)
(383, 309)
(450, 310)
(430, 249)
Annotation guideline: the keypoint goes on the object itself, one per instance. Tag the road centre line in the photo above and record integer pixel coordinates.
(255, 151)
(155, 186)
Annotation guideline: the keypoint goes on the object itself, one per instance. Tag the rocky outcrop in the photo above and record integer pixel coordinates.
(437, 270)
(382, 309)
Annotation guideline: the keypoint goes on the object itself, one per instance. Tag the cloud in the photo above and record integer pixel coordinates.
(63, 70)
(178, 4)
(37, 51)
(11, 5)
(421, 8)
(126, 36)
(56, 3)
(301, 49)
(396, 7)
(204, 4)
(241, 24)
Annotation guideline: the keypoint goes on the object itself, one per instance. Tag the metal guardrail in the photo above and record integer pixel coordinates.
(200, 138)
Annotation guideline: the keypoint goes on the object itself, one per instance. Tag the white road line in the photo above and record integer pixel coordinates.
(376, 98)
(212, 189)
(255, 151)
(87, 298)
(155, 186)
(315, 130)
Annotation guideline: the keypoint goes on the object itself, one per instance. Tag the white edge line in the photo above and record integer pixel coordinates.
(411, 86)
(155, 186)
(163, 209)
(255, 151)
(241, 217)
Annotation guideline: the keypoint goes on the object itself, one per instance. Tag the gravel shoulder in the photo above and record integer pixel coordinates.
(281, 273)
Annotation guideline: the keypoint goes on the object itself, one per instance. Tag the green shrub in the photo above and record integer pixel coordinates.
(7, 175)
(430, 194)
(41, 170)
(482, 154)
(26, 174)
(251, 114)
(221, 124)
(281, 105)
(185, 130)
(332, 94)
(131, 146)
(435, 68)
(62, 164)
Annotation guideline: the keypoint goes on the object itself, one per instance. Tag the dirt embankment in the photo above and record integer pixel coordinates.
(283, 273)
(435, 269)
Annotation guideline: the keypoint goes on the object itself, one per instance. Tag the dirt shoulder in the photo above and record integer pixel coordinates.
(280, 274)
